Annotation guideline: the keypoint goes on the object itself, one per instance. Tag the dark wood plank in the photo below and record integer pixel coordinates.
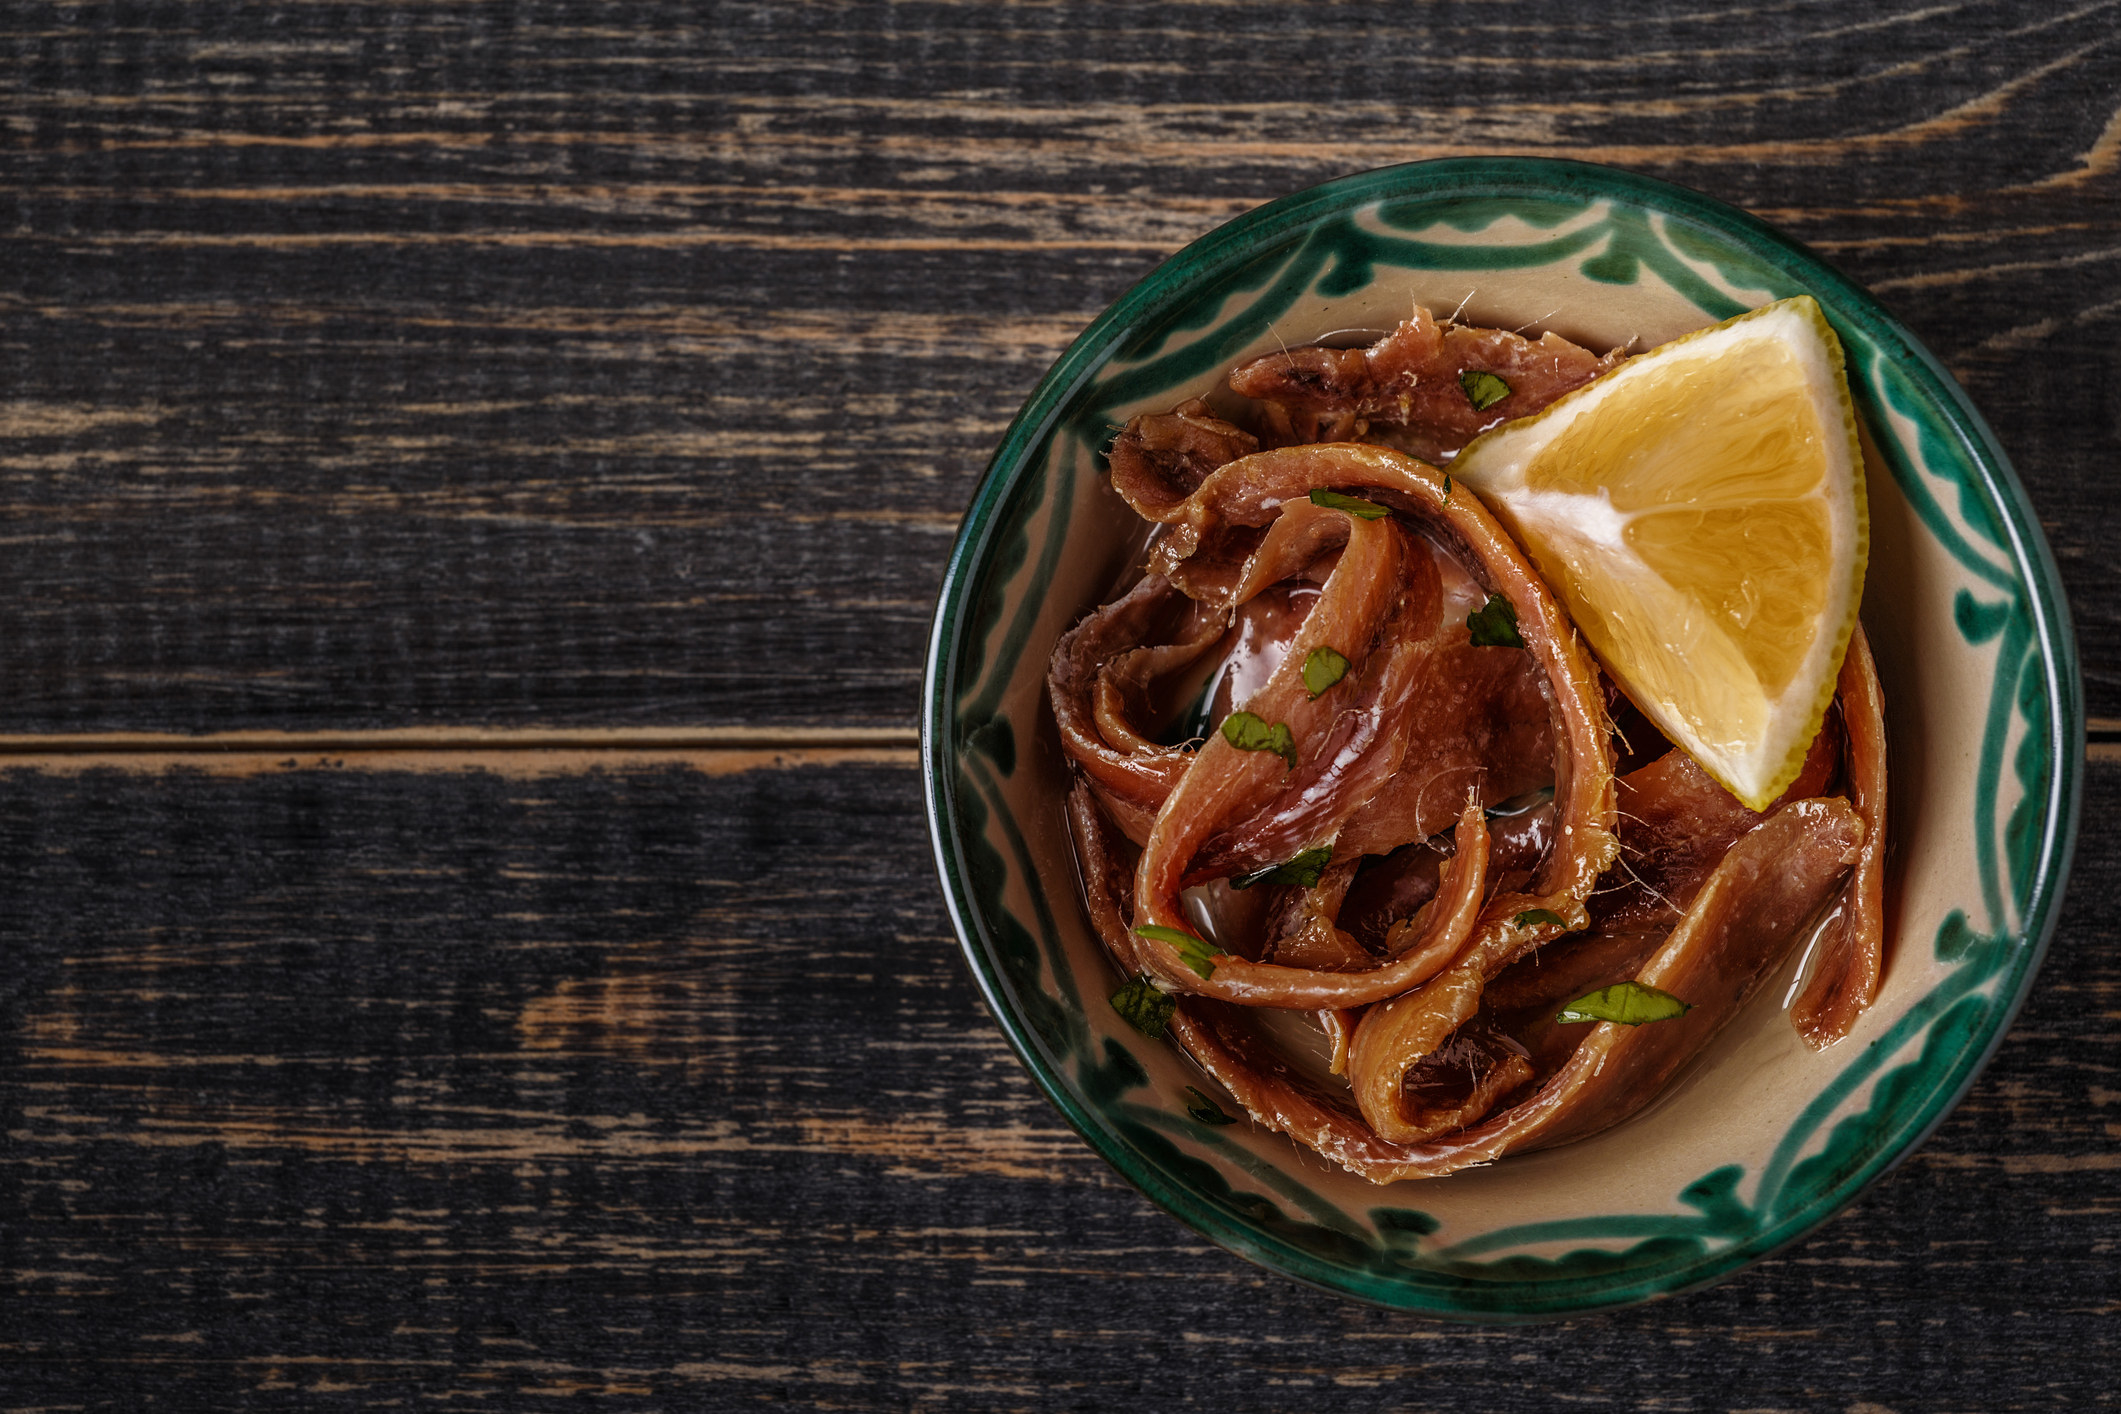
(324, 1087)
(475, 363)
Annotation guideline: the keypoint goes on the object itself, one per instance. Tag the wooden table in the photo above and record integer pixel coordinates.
(474, 481)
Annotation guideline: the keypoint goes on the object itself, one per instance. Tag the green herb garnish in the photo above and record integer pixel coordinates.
(1301, 872)
(1247, 732)
(1322, 669)
(1145, 1008)
(1354, 505)
(1483, 389)
(1206, 1110)
(1192, 951)
(1629, 1003)
(1534, 916)
(1447, 486)
(1494, 624)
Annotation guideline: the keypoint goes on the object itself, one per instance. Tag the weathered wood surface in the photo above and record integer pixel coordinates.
(527, 364)
(615, 376)
(328, 1087)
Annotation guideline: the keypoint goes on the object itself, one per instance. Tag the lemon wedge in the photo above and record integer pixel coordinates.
(1700, 511)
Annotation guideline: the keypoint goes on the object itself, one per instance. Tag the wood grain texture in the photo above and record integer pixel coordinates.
(561, 364)
(333, 1088)
(473, 478)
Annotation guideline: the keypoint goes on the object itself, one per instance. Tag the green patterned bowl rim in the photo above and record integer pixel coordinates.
(2046, 688)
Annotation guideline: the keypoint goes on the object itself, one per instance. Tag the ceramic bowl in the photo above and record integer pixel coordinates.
(1761, 1139)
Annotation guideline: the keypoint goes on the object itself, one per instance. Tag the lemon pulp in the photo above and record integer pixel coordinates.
(1700, 512)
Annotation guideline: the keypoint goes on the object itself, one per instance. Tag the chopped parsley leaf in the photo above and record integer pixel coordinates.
(1354, 505)
(1494, 624)
(1629, 1003)
(1206, 1110)
(1483, 389)
(1247, 732)
(1301, 872)
(1144, 1008)
(1192, 951)
(1323, 668)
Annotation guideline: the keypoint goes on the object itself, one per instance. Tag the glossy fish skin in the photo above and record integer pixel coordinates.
(1438, 1008)
(1161, 459)
(1678, 824)
(1760, 900)
(1850, 963)
(1755, 905)
(1255, 490)
(1261, 809)
(1405, 389)
(1132, 776)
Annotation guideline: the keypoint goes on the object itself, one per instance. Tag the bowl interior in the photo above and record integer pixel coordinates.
(1760, 1139)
